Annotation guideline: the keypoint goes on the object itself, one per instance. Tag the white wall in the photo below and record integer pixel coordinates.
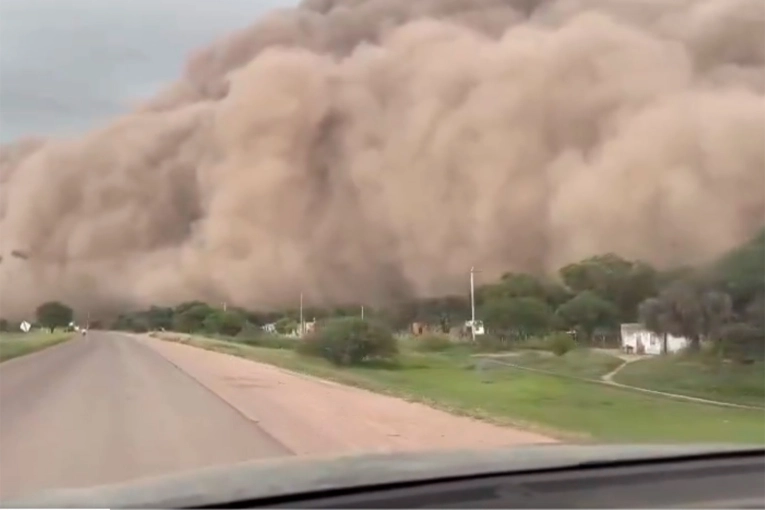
(633, 334)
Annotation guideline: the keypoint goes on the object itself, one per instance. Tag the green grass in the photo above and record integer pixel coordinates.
(560, 407)
(583, 363)
(13, 345)
(699, 376)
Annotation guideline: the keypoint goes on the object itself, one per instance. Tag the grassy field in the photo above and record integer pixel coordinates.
(574, 410)
(699, 376)
(583, 363)
(13, 345)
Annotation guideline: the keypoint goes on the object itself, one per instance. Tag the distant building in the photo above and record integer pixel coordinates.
(639, 340)
(478, 326)
(308, 327)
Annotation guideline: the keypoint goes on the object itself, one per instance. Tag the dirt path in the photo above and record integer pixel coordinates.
(312, 416)
(607, 379)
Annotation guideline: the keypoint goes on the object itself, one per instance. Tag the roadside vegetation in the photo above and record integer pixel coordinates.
(50, 327)
(551, 350)
(13, 345)
(579, 363)
(457, 381)
(699, 377)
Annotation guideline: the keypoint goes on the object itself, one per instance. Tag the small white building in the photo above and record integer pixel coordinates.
(479, 328)
(639, 340)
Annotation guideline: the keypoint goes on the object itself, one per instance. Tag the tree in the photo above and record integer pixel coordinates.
(717, 311)
(224, 322)
(622, 282)
(741, 272)
(655, 317)
(351, 341)
(183, 307)
(54, 315)
(4, 325)
(517, 285)
(686, 309)
(286, 325)
(250, 317)
(158, 317)
(741, 340)
(754, 314)
(189, 319)
(556, 294)
(514, 285)
(520, 317)
(587, 311)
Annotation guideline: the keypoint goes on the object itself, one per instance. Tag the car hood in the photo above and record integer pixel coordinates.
(292, 475)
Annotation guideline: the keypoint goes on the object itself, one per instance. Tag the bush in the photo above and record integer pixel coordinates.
(741, 341)
(433, 342)
(350, 341)
(191, 319)
(490, 343)
(560, 343)
(285, 326)
(224, 323)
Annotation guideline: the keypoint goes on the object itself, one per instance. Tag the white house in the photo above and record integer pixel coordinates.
(637, 339)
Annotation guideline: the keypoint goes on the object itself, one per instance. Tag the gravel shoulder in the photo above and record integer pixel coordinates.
(310, 416)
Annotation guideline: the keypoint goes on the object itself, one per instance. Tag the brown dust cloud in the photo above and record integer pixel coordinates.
(371, 150)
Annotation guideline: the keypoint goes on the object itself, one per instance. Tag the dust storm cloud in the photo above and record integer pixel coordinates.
(374, 149)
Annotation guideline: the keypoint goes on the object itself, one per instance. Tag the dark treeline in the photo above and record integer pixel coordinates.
(720, 302)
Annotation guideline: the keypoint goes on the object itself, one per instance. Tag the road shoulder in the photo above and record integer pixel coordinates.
(313, 417)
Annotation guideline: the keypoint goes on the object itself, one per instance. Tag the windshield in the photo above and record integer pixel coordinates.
(253, 230)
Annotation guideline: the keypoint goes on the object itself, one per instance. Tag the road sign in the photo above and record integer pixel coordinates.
(25, 326)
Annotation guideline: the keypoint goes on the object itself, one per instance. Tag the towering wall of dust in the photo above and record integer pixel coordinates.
(366, 149)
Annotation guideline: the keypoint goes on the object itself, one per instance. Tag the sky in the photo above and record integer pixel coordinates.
(66, 65)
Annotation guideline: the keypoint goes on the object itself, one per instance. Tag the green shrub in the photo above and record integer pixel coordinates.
(741, 341)
(310, 345)
(286, 325)
(224, 322)
(350, 341)
(490, 343)
(560, 343)
(433, 342)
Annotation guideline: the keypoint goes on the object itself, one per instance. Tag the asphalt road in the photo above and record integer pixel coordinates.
(106, 409)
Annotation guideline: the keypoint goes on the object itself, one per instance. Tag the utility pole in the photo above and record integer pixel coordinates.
(472, 303)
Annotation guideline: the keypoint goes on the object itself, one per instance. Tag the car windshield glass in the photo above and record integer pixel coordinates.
(248, 231)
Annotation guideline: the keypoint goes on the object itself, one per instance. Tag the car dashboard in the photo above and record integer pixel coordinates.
(725, 481)
(537, 476)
